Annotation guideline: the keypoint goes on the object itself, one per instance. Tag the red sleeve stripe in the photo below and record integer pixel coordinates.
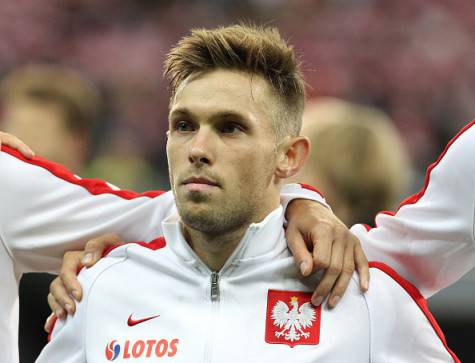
(93, 186)
(313, 189)
(418, 299)
(417, 196)
(154, 245)
(50, 335)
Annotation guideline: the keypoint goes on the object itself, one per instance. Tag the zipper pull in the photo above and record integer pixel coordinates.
(214, 286)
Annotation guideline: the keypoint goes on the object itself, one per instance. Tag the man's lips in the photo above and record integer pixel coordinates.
(199, 184)
(200, 180)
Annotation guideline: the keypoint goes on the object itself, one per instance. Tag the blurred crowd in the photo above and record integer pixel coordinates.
(104, 110)
(413, 58)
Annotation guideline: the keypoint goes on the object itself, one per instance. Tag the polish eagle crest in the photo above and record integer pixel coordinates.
(293, 320)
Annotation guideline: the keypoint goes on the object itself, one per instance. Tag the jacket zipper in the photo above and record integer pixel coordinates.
(214, 286)
(214, 298)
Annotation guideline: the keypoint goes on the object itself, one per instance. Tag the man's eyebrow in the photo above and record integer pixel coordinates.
(229, 114)
(180, 112)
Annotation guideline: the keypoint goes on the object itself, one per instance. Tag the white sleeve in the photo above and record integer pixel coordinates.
(68, 338)
(67, 341)
(430, 239)
(401, 327)
(45, 211)
(293, 191)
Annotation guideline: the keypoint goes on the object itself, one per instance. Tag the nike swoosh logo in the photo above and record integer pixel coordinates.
(132, 322)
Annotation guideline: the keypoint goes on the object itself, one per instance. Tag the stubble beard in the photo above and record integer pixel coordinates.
(198, 212)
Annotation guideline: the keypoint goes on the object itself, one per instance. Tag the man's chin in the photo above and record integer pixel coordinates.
(197, 197)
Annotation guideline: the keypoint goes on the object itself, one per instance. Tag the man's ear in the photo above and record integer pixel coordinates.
(293, 154)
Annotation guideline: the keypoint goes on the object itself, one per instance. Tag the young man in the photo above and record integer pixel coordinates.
(221, 285)
(47, 211)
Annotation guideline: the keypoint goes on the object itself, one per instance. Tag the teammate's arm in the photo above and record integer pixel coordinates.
(46, 211)
(430, 239)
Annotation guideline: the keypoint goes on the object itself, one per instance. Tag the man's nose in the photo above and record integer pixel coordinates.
(200, 148)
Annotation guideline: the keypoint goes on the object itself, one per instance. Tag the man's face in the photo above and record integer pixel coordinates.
(222, 152)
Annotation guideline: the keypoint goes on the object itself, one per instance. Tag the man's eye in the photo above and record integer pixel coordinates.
(231, 128)
(184, 126)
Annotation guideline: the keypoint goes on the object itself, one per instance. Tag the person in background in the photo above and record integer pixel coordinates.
(358, 159)
(54, 110)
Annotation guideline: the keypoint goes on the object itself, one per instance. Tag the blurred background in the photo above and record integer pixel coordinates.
(411, 59)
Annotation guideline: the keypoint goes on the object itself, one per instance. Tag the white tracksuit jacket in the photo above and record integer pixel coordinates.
(162, 304)
(46, 211)
(430, 239)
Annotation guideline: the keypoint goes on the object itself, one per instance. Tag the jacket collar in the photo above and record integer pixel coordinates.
(262, 241)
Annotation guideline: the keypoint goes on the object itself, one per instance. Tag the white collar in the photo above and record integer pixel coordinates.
(262, 241)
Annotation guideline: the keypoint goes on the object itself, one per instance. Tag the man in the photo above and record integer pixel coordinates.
(220, 285)
(48, 211)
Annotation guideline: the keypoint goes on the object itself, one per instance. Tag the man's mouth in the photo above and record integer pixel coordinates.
(197, 183)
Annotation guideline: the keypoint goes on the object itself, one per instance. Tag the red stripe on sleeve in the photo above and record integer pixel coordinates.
(154, 245)
(93, 186)
(417, 196)
(418, 299)
(313, 189)
(55, 319)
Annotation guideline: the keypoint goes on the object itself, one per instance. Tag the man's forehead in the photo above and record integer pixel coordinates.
(226, 90)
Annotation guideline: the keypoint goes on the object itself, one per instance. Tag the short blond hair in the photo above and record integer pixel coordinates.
(359, 151)
(249, 48)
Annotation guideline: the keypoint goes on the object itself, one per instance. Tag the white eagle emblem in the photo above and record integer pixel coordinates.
(293, 320)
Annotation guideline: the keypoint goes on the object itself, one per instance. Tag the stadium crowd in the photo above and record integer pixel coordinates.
(413, 59)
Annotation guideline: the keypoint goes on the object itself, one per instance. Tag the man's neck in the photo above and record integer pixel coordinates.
(214, 250)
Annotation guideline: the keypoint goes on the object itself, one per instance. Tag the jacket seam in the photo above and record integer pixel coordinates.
(370, 348)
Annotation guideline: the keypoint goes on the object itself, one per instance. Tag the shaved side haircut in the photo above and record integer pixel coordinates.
(249, 48)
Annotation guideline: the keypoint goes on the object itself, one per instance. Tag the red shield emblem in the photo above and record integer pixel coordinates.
(292, 319)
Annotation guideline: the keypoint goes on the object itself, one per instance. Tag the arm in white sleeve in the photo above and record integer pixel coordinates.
(401, 327)
(45, 211)
(430, 239)
(294, 191)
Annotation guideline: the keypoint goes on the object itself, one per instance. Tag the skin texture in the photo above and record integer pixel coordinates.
(217, 123)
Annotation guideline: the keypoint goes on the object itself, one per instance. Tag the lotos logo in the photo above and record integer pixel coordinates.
(142, 348)
(112, 350)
